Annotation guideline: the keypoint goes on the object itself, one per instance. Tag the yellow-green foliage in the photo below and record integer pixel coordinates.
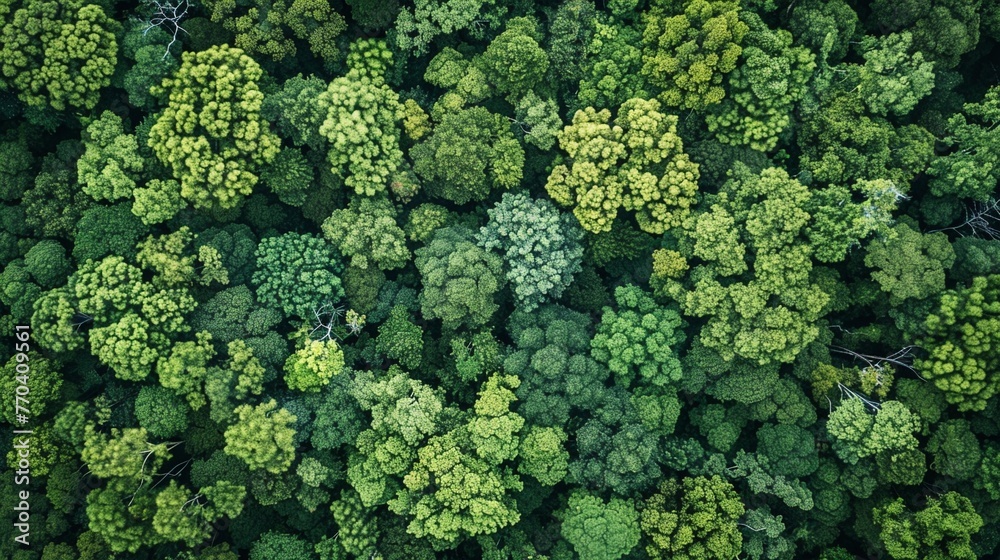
(636, 163)
(211, 135)
(689, 47)
(313, 365)
(58, 53)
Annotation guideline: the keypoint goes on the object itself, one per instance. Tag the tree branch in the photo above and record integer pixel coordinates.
(167, 16)
(982, 220)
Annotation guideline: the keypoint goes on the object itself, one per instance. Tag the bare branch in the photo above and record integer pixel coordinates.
(354, 322)
(168, 16)
(982, 220)
(898, 358)
(176, 470)
(79, 320)
(525, 129)
(327, 318)
(141, 474)
(847, 392)
(196, 500)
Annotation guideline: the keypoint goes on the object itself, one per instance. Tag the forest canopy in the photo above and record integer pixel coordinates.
(500, 279)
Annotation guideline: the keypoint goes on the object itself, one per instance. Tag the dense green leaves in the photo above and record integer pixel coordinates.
(514, 63)
(960, 339)
(109, 168)
(973, 167)
(841, 142)
(270, 27)
(361, 123)
(552, 358)
(639, 337)
(318, 280)
(541, 247)
(954, 450)
(459, 278)
(943, 29)
(427, 19)
(940, 530)
(58, 53)
(312, 366)
(688, 47)
(213, 144)
(893, 80)
(763, 90)
(756, 287)
(859, 432)
(262, 437)
(610, 66)
(450, 493)
(162, 413)
(42, 384)
(693, 518)
(599, 529)
(543, 455)
(637, 163)
(367, 232)
(910, 264)
(297, 273)
(400, 339)
(469, 153)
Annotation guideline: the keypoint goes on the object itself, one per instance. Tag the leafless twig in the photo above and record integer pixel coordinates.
(196, 500)
(982, 220)
(176, 470)
(168, 16)
(847, 392)
(327, 318)
(898, 358)
(80, 319)
(354, 321)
